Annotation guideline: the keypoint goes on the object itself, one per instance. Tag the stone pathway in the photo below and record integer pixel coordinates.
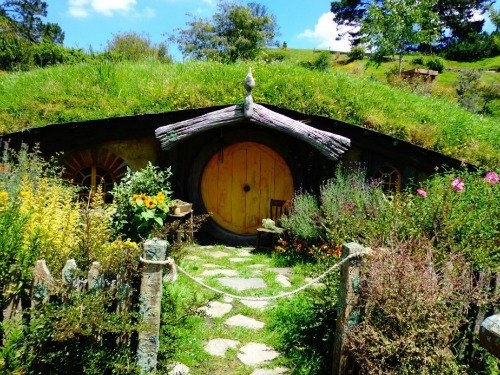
(236, 271)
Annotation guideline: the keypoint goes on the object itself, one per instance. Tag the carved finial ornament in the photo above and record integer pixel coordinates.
(249, 85)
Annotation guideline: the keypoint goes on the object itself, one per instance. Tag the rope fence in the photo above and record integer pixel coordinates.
(171, 262)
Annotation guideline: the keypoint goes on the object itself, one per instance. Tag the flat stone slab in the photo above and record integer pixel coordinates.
(244, 253)
(216, 254)
(285, 271)
(219, 271)
(218, 347)
(238, 260)
(244, 321)
(240, 283)
(178, 368)
(257, 265)
(274, 371)
(228, 299)
(254, 354)
(283, 281)
(260, 305)
(257, 273)
(215, 309)
(192, 257)
(210, 265)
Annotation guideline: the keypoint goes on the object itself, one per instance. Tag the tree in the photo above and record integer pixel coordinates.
(134, 46)
(390, 27)
(26, 17)
(457, 16)
(234, 32)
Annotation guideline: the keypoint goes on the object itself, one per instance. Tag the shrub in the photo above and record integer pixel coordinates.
(304, 218)
(15, 52)
(419, 61)
(412, 310)
(141, 200)
(133, 46)
(304, 326)
(435, 64)
(356, 53)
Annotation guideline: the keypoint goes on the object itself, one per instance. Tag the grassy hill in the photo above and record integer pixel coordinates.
(99, 90)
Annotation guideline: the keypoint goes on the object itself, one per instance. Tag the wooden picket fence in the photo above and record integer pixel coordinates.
(150, 294)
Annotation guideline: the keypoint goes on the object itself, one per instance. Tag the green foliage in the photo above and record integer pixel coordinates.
(391, 27)
(45, 54)
(235, 32)
(322, 62)
(304, 326)
(412, 310)
(356, 53)
(15, 52)
(435, 64)
(467, 88)
(141, 200)
(473, 47)
(26, 18)
(304, 218)
(133, 46)
(82, 334)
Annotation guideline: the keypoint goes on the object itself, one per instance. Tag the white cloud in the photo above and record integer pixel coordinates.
(82, 8)
(107, 7)
(78, 8)
(325, 34)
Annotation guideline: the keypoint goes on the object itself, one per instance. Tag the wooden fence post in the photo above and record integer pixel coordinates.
(348, 297)
(150, 305)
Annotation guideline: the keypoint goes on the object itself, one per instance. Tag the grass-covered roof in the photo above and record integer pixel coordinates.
(99, 90)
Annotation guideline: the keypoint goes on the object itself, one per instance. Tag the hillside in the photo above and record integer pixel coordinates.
(90, 91)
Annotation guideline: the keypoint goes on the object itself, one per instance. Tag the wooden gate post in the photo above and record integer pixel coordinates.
(150, 305)
(348, 297)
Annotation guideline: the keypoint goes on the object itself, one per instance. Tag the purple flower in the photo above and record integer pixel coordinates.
(458, 184)
(422, 193)
(491, 178)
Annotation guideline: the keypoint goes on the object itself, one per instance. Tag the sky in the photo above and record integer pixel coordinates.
(89, 24)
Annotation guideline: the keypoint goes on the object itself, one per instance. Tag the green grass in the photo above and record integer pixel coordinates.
(93, 91)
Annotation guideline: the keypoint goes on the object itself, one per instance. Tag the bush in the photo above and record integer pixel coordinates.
(412, 310)
(133, 46)
(435, 64)
(474, 47)
(15, 53)
(45, 54)
(141, 200)
(305, 327)
(419, 61)
(356, 53)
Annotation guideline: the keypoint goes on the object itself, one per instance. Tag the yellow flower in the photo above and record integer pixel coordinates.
(3, 197)
(150, 203)
(24, 194)
(160, 197)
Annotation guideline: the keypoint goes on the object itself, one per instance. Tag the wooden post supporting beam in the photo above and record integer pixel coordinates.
(150, 305)
(348, 297)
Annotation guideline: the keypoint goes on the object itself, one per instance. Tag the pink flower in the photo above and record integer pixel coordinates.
(422, 193)
(458, 184)
(491, 178)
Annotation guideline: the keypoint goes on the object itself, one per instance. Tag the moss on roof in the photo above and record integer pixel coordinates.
(92, 91)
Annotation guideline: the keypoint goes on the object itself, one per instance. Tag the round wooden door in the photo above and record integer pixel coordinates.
(238, 183)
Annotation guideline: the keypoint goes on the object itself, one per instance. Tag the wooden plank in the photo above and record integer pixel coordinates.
(266, 184)
(237, 192)
(224, 185)
(253, 180)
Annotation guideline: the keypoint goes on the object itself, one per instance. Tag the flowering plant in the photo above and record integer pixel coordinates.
(142, 202)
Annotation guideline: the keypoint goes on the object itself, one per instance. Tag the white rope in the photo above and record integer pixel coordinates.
(157, 262)
(282, 295)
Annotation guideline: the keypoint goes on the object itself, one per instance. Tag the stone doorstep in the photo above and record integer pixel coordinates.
(244, 321)
(219, 271)
(241, 284)
(215, 309)
(218, 347)
(255, 304)
(283, 281)
(216, 254)
(274, 371)
(254, 354)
